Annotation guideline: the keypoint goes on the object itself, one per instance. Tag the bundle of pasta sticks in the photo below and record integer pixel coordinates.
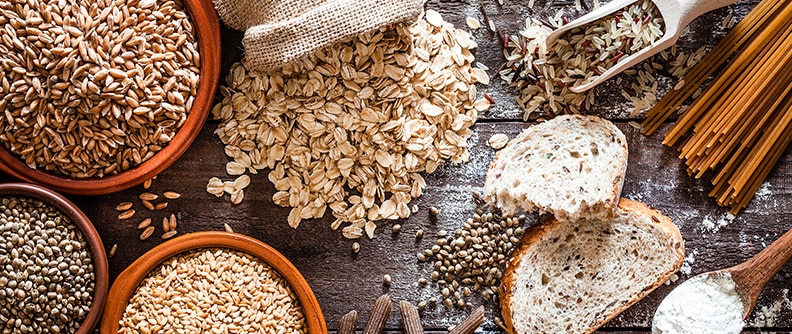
(742, 122)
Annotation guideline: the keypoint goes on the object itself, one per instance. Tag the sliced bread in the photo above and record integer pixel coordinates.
(571, 166)
(573, 277)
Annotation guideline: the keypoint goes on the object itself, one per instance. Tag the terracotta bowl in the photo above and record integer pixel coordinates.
(78, 218)
(207, 26)
(128, 281)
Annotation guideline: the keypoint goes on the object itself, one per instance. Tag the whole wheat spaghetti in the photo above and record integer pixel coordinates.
(742, 123)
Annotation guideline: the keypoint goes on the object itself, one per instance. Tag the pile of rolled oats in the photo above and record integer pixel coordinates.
(352, 127)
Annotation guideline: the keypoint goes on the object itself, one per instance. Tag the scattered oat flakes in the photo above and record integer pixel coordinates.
(498, 141)
(434, 18)
(215, 187)
(423, 82)
(235, 168)
(473, 23)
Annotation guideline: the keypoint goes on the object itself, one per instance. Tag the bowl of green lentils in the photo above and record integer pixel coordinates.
(53, 267)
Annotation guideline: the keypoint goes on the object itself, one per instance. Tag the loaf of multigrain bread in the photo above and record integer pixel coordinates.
(571, 166)
(574, 276)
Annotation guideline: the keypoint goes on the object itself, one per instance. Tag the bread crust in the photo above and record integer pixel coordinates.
(618, 182)
(537, 232)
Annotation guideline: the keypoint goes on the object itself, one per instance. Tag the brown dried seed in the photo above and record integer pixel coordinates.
(148, 204)
(161, 206)
(166, 225)
(433, 211)
(410, 318)
(348, 323)
(123, 206)
(172, 221)
(378, 316)
(147, 196)
(112, 251)
(126, 214)
(471, 323)
(171, 195)
(147, 183)
(169, 234)
(144, 223)
(147, 233)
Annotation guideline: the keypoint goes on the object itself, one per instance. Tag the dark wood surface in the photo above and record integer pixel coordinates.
(343, 281)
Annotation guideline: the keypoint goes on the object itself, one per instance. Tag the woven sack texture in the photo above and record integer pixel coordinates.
(280, 31)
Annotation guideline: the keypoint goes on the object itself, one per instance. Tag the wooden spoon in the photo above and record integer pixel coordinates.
(677, 14)
(751, 276)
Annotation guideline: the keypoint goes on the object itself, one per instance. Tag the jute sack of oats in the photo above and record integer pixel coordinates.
(280, 31)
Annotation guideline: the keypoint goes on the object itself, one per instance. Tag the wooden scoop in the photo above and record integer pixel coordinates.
(677, 14)
(751, 276)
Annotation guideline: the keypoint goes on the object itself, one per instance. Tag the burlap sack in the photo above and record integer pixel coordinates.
(280, 31)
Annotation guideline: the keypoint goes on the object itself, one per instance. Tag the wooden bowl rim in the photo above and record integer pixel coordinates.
(207, 28)
(91, 236)
(128, 281)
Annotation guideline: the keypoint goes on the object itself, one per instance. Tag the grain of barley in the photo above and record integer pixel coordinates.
(144, 223)
(148, 205)
(160, 206)
(166, 224)
(147, 196)
(112, 251)
(171, 195)
(83, 103)
(124, 206)
(169, 234)
(172, 222)
(126, 214)
(228, 228)
(177, 283)
(147, 233)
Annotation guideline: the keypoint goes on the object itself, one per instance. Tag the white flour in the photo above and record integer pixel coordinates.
(701, 305)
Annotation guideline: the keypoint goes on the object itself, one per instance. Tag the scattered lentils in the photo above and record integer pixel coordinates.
(473, 257)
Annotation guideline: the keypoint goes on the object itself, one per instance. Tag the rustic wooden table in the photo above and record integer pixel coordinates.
(343, 281)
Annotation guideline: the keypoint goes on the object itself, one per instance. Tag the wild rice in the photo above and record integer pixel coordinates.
(543, 74)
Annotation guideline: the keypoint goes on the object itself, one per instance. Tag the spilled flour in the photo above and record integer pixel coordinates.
(713, 226)
(687, 266)
(766, 316)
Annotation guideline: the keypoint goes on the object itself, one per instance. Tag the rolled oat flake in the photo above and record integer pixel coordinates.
(704, 304)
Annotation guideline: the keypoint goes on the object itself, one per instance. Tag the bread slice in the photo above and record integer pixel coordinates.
(573, 277)
(571, 166)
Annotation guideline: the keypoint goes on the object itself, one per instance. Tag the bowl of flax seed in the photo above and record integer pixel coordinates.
(99, 96)
(212, 282)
